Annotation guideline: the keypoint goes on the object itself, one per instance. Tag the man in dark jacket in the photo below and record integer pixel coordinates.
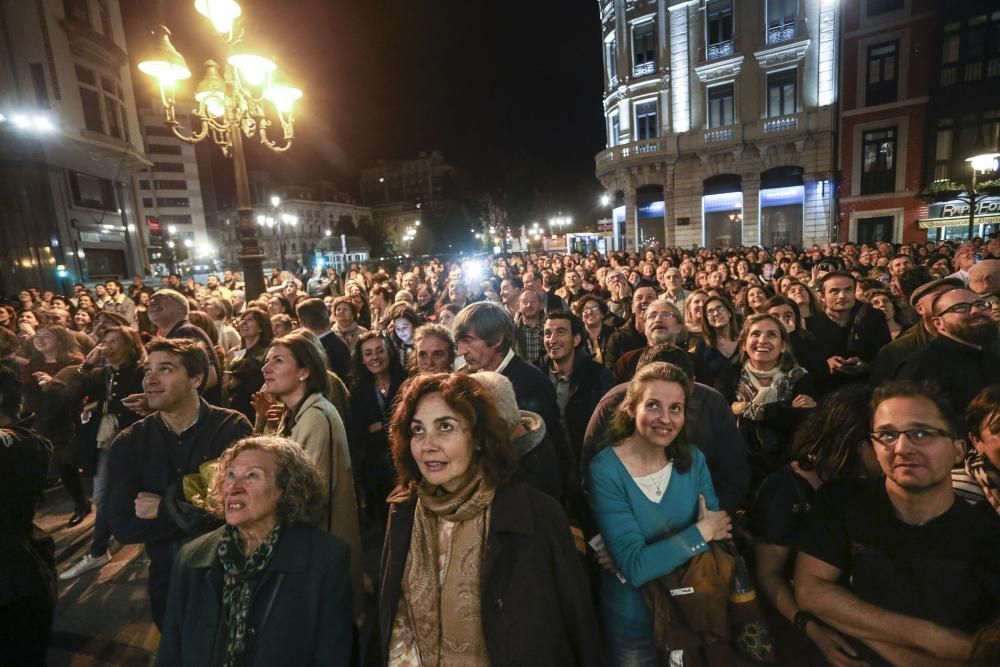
(314, 316)
(663, 324)
(148, 461)
(630, 335)
(27, 553)
(848, 333)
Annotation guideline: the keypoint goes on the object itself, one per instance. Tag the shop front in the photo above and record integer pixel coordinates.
(949, 220)
(722, 212)
(782, 198)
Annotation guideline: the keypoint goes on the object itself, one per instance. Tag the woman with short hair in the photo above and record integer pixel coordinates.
(345, 321)
(476, 571)
(268, 587)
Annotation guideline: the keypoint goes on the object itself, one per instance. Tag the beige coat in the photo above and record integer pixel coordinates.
(320, 430)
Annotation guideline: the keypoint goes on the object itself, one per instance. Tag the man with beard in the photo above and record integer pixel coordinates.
(630, 336)
(572, 288)
(962, 359)
(117, 301)
(663, 324)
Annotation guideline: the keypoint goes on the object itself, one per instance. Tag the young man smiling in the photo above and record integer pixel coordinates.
(148, 461)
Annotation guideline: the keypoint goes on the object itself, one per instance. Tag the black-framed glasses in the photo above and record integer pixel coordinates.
(919, 436)
(963, 308)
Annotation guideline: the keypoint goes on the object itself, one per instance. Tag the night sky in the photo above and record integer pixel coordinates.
(510, 90)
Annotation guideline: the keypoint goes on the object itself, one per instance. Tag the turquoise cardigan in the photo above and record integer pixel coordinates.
(634, 527)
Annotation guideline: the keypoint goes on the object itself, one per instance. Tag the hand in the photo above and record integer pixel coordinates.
(803, 401)
(739, 407)
(836, 364)
(96, 356)
(41, 378)
(855, 365)
(147, 505)
(137, 403)
(713, 525)
(947, 643)
(604, 560)
(274, 414)
(375, 428)
(992, 498)
(261, 402)
(834, 646)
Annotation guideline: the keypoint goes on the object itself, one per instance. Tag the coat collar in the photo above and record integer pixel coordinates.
(291, 555)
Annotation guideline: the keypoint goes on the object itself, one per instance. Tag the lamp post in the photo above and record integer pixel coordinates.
(981, 162)
(277, 223)
(231, 105)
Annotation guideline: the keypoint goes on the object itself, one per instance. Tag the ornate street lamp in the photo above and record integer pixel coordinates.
(982, 162)
(233, 101)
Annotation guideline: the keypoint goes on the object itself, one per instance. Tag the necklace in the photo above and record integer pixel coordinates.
(382, 387)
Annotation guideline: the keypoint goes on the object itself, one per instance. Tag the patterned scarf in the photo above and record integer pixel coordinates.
(752, 392)
(983, 471)
(236, 593)
(441, 581)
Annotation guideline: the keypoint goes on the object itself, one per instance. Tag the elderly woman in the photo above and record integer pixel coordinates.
(295, 374)
(345, 321)
(475, 571)
(267, 588)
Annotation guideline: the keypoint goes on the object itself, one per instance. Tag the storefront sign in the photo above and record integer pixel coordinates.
(727, 201)
(782, 196)
(955, 213)
(653, 209)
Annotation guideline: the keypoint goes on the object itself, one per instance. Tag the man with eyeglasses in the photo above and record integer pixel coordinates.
(663, 324)
(673, 288)
(631, 335)
(895, 563)
(963, 358)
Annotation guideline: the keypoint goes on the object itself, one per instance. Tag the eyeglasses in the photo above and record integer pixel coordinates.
(962, 308)
(717, 310)
(590, 309)
(923, 435)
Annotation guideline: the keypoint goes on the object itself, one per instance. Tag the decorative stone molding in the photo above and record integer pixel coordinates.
(724, 69)
(622, 92)
(782, 55)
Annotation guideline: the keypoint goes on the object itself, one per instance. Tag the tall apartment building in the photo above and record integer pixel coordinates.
(69, 144)
(422, 182)
(964, 114)
(888, 47)
(169, 194)
(720, 120)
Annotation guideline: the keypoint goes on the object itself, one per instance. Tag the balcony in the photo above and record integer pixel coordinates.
(645, 149)
(781, 33)
(719, 50)
(781, 124)
(608, 11)
(720, 134)
(643, 69)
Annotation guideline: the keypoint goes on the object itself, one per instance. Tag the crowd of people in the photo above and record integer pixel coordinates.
(674, 457)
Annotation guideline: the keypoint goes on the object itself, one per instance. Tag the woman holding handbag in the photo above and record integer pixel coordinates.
(111, 372)
(655, 505)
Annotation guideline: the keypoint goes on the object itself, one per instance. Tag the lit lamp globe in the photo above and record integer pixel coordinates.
(211, 91)
(984, 161)
(221, 13)
(252, 68)
(283, 96)
(163, 62)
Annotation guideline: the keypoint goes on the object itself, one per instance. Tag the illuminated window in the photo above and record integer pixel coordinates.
(721, 105)
(781, 93)
(878, 161)
(882, 73)
(645, 120)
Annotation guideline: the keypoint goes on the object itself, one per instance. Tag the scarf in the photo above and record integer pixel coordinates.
(238, 574)
(983, 471)
(752, 392)
(441, 581)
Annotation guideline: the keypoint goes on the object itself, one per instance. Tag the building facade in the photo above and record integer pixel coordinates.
(888, 46)
(964, 117)
(69, 144)
(309, 219)
(423, 182)
(721, 119)
(169, 193)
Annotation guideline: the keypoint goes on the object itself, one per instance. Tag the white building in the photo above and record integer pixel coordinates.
(720, 120)
(69, 143)
(170, 202)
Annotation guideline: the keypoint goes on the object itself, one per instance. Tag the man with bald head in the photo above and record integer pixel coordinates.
(984, 278)
(962, 359)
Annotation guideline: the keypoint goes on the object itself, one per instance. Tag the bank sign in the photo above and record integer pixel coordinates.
(956, 213)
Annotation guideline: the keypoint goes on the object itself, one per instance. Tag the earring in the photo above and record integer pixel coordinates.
(302, 379)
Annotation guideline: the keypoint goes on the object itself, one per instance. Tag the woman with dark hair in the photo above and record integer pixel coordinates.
(476, 570)
(279, 305)
(654, 502)
(895, 316)
(768, 392)
(804, 298)
(111, 372)
(295, 375)
(256, 334)
(83, 322)
(831, 443)
(804, 346)
(377, 378)
(282, 324)
(244, 375)
(401, 321)
(756, 297)
(356, 293)
(719, 346)
(593, 311)
(145, 325)
(8, 319)
(425, 301)
(53, 352)
(447, 314)
(268, 587)
(380, 298)
(979, 479)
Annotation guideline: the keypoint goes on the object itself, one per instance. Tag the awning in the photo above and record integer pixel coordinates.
(955, 213)
(933, 223)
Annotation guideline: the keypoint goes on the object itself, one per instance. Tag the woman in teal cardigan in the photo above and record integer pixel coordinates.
(655, 505)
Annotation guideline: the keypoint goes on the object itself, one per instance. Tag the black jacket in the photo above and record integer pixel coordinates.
(865, 334)
(338, 355)
(300, 613)
(535, 601)
(589, 381)
(891, 358)
(961, 371)
(624, 339)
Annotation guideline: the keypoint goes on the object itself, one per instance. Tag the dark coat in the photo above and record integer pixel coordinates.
(865, 334)
(589, 381)
(300, 613)
(891, 358)
(536, 605)
(961, 371)
(624, 339)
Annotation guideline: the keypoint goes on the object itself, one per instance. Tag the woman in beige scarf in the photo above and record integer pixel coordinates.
(475, 570)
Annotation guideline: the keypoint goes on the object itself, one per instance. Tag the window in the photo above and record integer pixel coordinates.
(644, 48)
(782, 16)
(781, 93)
(645, 120)
(91, 102)
(881, 86)
(163, 149)
(147, 202)
(721, 106)
(76, 10)
(169, 167)
(951, 42)
(144, 185)
(182, 202)
(876, 7)
(40, 87)
(611, 54)
(171, 185)
(615, 133)
(719, 28)
(102, 101)
(92, 192)
(105, 14)
(159, 131)
(878, 161)
(970, 51)
(944, 144)
(174, 219)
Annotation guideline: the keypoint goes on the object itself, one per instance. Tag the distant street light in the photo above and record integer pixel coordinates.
(982, 162)
(605, 200)
(230, 106)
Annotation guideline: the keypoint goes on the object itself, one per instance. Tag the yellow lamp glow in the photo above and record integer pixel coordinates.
(283, 96)
(221, 13)
(254, 69)
(211, 90)
(163, 61)
(984, 162)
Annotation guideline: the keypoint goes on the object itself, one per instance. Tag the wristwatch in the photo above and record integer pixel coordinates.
(802, 619)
